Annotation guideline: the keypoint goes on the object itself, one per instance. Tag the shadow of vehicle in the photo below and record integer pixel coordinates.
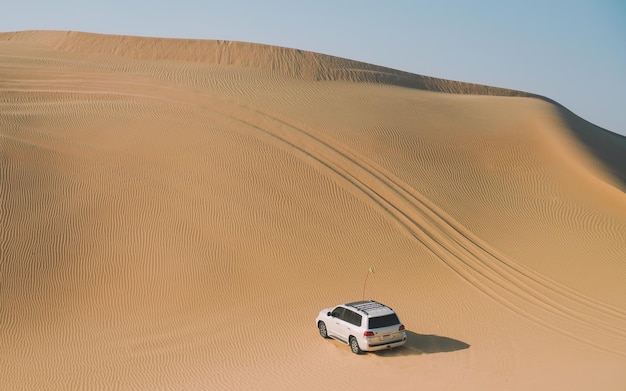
(417, 344)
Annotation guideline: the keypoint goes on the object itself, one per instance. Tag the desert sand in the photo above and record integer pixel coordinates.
(174, 214)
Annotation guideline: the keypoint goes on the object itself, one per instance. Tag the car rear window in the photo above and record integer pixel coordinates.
(383, 321)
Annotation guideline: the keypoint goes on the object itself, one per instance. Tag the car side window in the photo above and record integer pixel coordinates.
(352, 317)
(338, 312)
(347, 316)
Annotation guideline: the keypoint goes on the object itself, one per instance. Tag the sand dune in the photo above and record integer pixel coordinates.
(174, 213)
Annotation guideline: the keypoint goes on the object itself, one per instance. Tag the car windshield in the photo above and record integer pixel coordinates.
(383, 321)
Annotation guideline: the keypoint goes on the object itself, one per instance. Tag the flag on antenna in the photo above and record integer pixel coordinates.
(371, 270)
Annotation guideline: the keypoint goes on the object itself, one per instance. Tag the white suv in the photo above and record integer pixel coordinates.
(364, 325)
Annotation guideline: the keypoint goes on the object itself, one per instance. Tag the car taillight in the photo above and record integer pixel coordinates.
(401, 328)
(368, 334)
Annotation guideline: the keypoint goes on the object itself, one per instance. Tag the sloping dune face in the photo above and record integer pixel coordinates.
(174, 214)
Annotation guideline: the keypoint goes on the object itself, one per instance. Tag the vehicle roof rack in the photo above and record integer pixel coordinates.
(367, 305)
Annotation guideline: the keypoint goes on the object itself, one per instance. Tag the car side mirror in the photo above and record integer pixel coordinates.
(329, 314)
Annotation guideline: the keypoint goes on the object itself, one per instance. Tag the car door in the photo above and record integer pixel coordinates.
(348, 325)
(335, 324)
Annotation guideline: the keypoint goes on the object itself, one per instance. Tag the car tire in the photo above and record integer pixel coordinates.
(354, 346)
(323, 330)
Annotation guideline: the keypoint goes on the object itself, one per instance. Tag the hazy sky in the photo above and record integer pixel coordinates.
(571, 51)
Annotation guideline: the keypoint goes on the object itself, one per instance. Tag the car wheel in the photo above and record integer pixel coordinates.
(354, 346)
(323, 330)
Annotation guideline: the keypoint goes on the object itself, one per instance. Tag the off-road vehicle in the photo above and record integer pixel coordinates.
(364, 325)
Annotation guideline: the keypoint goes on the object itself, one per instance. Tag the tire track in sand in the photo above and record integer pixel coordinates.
(522, 290)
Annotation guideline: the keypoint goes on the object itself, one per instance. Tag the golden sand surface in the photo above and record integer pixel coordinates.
(174, 214)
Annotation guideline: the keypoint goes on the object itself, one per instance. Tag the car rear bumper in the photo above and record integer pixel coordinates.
(382, 346)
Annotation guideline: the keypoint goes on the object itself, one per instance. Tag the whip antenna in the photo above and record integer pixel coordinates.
(371, 270)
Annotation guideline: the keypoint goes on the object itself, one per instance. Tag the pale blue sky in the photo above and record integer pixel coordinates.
(571, 51)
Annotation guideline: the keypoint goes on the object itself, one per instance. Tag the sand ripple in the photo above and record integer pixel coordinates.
(174, 213)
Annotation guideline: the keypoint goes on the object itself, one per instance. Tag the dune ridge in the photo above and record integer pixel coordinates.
(286, 61)
(173, 214)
